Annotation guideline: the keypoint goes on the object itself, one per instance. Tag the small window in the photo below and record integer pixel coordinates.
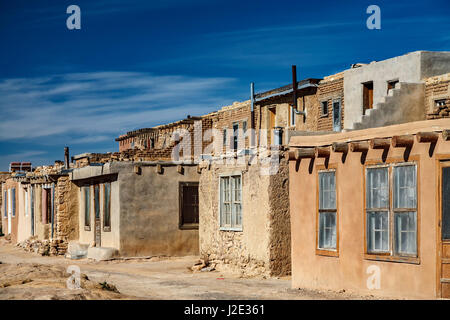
(225, 137)
(327, 235)
(26, 202)
(439, 103)
(391, 85)
(189, 213)
(107, 206)
(235, 135)
(292, 117)
(231, 203)
(13, 197)
(324, 108)
(87, 207)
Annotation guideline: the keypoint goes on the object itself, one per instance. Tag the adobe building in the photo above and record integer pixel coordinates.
(142, 200)
(370, 210)
(10, 219)
(138, 208)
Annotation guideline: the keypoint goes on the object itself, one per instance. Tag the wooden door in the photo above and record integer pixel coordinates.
(97, 227)
(189, 209)
(367, 96)
(444, 223)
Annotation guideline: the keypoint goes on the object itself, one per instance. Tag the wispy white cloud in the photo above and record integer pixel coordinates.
(91, 107)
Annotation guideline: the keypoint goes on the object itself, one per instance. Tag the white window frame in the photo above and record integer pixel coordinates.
(232, 226)
(393, 212)
(326, 211)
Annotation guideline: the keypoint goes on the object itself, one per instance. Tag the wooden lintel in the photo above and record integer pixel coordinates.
(340, 147)
(423, 137)
(359, 146)
(301, 153)
(379, 143)
(446, 135)
(404, 141)
(322, 152)
(289, 155)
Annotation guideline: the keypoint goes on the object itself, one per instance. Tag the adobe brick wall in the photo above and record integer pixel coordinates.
(3, 177)
(437, 88)
(329, 90)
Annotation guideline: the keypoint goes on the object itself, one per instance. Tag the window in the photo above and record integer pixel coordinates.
(377, 204)
(367, 96)
(225, 137)
(235, 135)
(391, 85)
(405, 210)
(97, 202)
(292, 117)
(391, 229)
(107, 206)
(439, 102)
(324, 108)
(327, 239)
(231, 203)
(188, 192)
(87, 207)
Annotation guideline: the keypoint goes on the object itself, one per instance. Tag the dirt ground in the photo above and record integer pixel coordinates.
(25, 275)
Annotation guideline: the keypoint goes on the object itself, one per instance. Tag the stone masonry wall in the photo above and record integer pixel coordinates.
(437, 89)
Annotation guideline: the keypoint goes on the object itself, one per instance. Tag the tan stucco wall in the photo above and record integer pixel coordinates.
(348, 271)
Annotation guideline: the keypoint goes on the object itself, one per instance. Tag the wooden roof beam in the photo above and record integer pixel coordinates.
(322, 152)
(430, 137)
(340, 147)
(302, 153)
(404, 141)
(359, 146)
(379, 143)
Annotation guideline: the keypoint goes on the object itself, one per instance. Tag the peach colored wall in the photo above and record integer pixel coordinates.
(348, 271)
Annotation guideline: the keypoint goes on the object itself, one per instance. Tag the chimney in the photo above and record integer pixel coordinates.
(294, 86)
(66, 157)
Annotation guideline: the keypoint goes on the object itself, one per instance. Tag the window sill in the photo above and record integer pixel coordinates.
(327, 253)
(189, 226)
(389, 258)
(87, 228)
(230, 229)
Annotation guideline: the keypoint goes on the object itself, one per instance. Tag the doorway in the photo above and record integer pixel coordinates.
(98, 226)
(337, 115)
(444, 223)
(367, 96)
(272, 118)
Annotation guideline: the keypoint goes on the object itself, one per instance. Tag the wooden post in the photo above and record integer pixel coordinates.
(427, 137)
(446, 135)
(359, 146)
(378, 143)
(404, 141)
(322, 152)
(301, 153)
(340, 147)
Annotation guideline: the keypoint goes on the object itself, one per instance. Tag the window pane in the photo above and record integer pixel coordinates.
(377, 231)
(87, 218)
(327, 190)
(377, 188)
(405, 233)
(327, 230)
(405, 187)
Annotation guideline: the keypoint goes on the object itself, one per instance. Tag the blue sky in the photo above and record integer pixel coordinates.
(138, 64)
